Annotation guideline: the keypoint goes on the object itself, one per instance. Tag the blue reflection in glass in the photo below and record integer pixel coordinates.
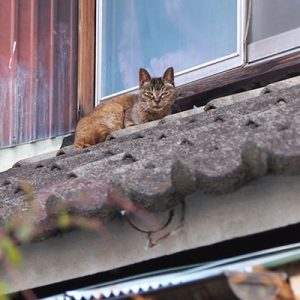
(156, 34)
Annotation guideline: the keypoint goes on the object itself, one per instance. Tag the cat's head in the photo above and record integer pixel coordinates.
(157, 94)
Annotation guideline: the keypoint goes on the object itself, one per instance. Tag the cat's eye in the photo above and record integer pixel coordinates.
(164, 94)
(148, 93)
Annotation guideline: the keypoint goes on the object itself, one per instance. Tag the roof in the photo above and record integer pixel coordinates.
(191, 282)
(157, 164)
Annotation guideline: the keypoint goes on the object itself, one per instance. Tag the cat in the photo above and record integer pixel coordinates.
(153, 101)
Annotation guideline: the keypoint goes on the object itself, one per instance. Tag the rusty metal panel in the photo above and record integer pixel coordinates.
(38, 69)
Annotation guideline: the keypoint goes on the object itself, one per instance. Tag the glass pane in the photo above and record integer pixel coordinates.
(271, 17)
(156, 34)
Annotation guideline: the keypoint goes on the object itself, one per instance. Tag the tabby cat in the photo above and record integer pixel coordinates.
(153, 102)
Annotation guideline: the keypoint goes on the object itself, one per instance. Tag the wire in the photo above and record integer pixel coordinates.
(171, 215)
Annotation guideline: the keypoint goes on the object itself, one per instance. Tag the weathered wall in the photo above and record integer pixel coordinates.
(268, 203)
(38, 69)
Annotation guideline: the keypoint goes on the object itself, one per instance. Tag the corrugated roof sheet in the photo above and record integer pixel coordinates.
(184, 277)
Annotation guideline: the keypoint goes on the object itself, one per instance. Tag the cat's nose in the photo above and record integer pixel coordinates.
(156, 99)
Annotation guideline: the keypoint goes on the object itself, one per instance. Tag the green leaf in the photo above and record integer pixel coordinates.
(24, 233)
(64, 220)
(11, 251)
(3, 291)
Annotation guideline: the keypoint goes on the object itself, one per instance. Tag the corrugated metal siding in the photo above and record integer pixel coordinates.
(38, 69)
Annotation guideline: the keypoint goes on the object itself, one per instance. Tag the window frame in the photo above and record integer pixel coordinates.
(187, 76)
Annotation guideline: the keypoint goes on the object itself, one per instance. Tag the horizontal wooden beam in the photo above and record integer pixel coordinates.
(236, 80)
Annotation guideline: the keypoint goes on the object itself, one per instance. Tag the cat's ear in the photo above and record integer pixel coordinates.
(169, 75)
(144, 76)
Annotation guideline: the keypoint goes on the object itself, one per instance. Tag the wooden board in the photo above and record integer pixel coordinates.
(86, 56)
(237, 80)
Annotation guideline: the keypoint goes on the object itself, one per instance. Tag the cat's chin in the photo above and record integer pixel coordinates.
(156, 108)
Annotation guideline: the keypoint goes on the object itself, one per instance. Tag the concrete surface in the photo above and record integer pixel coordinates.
(267, 203)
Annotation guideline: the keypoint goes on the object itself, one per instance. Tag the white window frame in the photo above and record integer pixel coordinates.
(203, 70)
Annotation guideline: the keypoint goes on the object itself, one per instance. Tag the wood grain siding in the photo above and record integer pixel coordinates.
(38, 69)
(86, 56)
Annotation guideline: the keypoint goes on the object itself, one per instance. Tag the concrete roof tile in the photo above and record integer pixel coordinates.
(217, 150)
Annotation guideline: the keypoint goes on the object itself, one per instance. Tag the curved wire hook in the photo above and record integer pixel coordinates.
(163, 226)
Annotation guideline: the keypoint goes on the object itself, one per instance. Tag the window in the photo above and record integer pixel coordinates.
(275, 28)
(197, 37)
